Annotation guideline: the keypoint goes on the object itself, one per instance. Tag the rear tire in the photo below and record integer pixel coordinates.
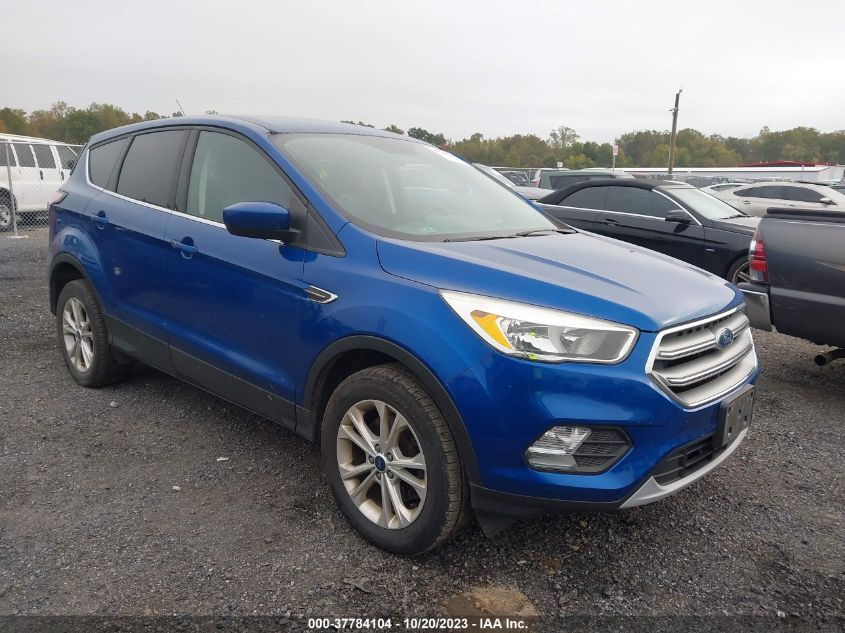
(83, 337)
(5, 211)
(739, 271)
(394, 467)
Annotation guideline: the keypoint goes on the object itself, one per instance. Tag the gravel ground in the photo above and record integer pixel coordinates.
(91, 521)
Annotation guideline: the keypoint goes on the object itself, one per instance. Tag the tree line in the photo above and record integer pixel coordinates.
(644, 148)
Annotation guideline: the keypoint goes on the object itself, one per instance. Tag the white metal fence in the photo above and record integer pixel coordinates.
(31, 170)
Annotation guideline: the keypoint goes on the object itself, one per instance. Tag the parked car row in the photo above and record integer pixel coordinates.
(452, 350)
(671, 218)
(38, 167)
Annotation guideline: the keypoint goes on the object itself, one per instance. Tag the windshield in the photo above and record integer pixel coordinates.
(709, 206)
(407, 189)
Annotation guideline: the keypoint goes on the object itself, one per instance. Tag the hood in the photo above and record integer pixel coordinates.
(578, 272)
(745, 224)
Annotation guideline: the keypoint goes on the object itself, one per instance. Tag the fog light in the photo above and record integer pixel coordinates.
(556, 447)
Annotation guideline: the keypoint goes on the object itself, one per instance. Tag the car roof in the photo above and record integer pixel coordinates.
(17, 138)
(636, 183)
(267, 124)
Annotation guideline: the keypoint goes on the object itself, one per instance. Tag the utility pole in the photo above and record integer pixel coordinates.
(674, 131)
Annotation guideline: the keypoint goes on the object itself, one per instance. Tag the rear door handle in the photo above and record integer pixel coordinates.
(101, 220)
(41, 172)
(186, 246)
(610, 221)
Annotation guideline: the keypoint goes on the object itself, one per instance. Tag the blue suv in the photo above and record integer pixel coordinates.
(453, 350)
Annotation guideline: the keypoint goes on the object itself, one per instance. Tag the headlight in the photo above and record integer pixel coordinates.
(542, 334)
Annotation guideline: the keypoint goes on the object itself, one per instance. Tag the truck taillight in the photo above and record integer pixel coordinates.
(757, 259)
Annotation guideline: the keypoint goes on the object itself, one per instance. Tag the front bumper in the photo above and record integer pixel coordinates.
(506, 404)
(757, 307)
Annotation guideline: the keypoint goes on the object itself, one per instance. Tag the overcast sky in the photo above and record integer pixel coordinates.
(457, 67)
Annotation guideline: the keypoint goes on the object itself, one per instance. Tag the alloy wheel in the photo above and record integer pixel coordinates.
(741, 275)
(381, 463)
(5, 216)
(77, 334)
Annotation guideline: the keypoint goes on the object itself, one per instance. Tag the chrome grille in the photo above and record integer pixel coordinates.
(690, 365)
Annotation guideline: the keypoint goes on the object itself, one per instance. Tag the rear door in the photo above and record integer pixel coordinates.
(233, 303)
(755, 200)
(128, 222)
(639, 216)
(580, 208)
(48, 172)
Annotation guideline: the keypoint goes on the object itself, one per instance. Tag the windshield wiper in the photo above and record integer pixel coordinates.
(543, 232)
(530, 233)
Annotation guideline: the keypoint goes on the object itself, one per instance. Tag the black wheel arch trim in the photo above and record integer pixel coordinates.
(438, 393)
(67, 258)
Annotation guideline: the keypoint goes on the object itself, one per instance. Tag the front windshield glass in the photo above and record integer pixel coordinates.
(495, 175)
(407, 189)
(705, 204)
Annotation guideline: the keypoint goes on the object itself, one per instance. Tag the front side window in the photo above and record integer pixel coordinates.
(151, 165)
(24, 152)
(225, 171)
(44, 156)
(703, 203)
(639, 201)
(102, 160)
(403, 188)
(802, 194)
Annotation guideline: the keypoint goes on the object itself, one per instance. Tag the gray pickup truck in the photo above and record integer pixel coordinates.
(797, 267)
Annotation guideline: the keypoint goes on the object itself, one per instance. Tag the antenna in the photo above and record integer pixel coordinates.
(181, 109)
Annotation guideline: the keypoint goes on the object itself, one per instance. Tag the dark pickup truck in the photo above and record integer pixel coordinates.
(797, 268)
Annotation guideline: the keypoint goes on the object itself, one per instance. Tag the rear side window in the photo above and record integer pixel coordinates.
(44, 156)
(802, 194)
(6, 150)
(640, 201)
(150, 168)
(67, 157)
(102, 160)
(24, 152)
(589, 198)
(771, 192)
(226, 170)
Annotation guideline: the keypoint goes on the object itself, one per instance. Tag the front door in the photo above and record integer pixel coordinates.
(233, 303)
(639, 216)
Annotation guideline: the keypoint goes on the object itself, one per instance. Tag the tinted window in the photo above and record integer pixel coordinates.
(641, 201)
(25, 158)
(769, 191)
(102, 159)
(227, 170)
(44, 156)
(150, 167)
(589, 198)
(802, 194)
(4, 149)
(67, 156)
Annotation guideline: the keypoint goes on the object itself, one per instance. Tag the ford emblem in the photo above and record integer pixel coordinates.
(724, 337)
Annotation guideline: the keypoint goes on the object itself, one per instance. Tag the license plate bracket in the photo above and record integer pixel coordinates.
(734, 417)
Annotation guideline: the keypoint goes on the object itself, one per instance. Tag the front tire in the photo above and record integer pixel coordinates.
(392, 463)
(83, 337)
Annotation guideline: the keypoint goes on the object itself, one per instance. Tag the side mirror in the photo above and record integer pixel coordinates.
(264, 220)
(826, 201)
(676, 215)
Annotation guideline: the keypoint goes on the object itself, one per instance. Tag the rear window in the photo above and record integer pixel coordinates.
(44, 156)
(589, 198)
(802, 194)
(24, 152)
(150, 167)
(102, 159)
(67, 156)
